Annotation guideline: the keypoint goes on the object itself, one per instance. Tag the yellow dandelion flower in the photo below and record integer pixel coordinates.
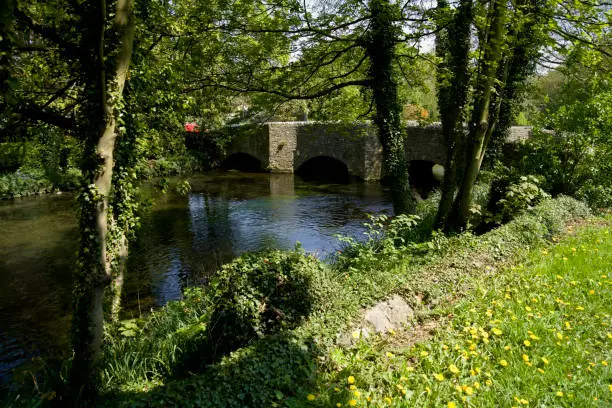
(565, 258)
(568, 325)
(604, 363)
(573, 249)
(559, 393)
(451, 405)
(507, 348)
(351, 379)
(391, 332)
(477, 385)
(533, 337)
(468, 390)
(426, 389)
(609, 335)
(610, 387)
(527, 343)
(503, 363)
(523, 401)
(356, 334)
(310, 397)
(540, 371)
(488, 383)
(439, 377)
(591, 292)
(387, 400)
(497, 331)
(525, 358)
(338, 405)
(356, 393)
(527, 308)
(352, 387)
(559, 335)
(352, 402)
(390, 355)
(453, 369)
(424, 353)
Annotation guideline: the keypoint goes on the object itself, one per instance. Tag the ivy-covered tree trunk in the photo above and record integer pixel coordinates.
(482, 122)
(453, 48)
(380, 48)
(99, 129)
(526, 36)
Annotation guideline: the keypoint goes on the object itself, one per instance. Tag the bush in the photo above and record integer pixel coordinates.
(261, 294)
(509, 198)
(570, 163)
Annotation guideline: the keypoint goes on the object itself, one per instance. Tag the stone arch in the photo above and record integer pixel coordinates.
(243, 162)
(324, 168)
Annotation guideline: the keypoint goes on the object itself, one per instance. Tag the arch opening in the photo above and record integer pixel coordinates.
(422, 178)
(242, 162)
(324, 169)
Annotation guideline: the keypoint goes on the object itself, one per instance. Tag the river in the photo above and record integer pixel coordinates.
(182, 241)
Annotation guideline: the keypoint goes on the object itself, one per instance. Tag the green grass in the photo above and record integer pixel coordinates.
(535, 334)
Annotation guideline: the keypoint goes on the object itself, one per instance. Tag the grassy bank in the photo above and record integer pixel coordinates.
(283, 369)
(533, 334)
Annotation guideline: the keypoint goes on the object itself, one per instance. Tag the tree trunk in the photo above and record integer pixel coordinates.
(93, 271)
(380, 49)
(453, 47)
(481, 124)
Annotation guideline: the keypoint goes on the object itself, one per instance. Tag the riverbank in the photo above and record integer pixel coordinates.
(292, 366)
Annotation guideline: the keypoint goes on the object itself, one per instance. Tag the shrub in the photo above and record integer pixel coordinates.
(509, 198)
(260, 294)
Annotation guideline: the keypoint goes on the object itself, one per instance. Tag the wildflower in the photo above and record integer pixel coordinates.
(310, 397)
(525, 358)
(451, 405)
(503, 363)
(488, 383)
(559, 393)
(424, 353)
(453, 369)
(477, 385)
(497, 331)
(540, 371)
(468, 390)
(426, 389)
(387, 400)
(507, 348)
(390, 355)
(527, 343)
(591, 292)
(352, 402)
(351, 379)
(391, 332)
(604, 363)
(352, 387)
(338, 405)
(439, 377)
(356, 393)
(355, 334)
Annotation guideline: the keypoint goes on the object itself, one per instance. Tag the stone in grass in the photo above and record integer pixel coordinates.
(388, 315)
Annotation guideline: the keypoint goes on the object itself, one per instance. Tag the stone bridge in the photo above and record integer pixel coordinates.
(283, 147)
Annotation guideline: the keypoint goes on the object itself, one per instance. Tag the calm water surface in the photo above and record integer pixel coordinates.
(183, 240)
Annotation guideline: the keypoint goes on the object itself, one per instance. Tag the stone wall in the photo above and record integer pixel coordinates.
(283, 147)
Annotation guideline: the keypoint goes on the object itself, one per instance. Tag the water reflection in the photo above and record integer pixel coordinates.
(186, 239)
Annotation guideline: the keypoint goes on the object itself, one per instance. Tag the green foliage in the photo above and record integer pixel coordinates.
(21, 184)
(256, 295)
(260, 294)
(510, 197)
